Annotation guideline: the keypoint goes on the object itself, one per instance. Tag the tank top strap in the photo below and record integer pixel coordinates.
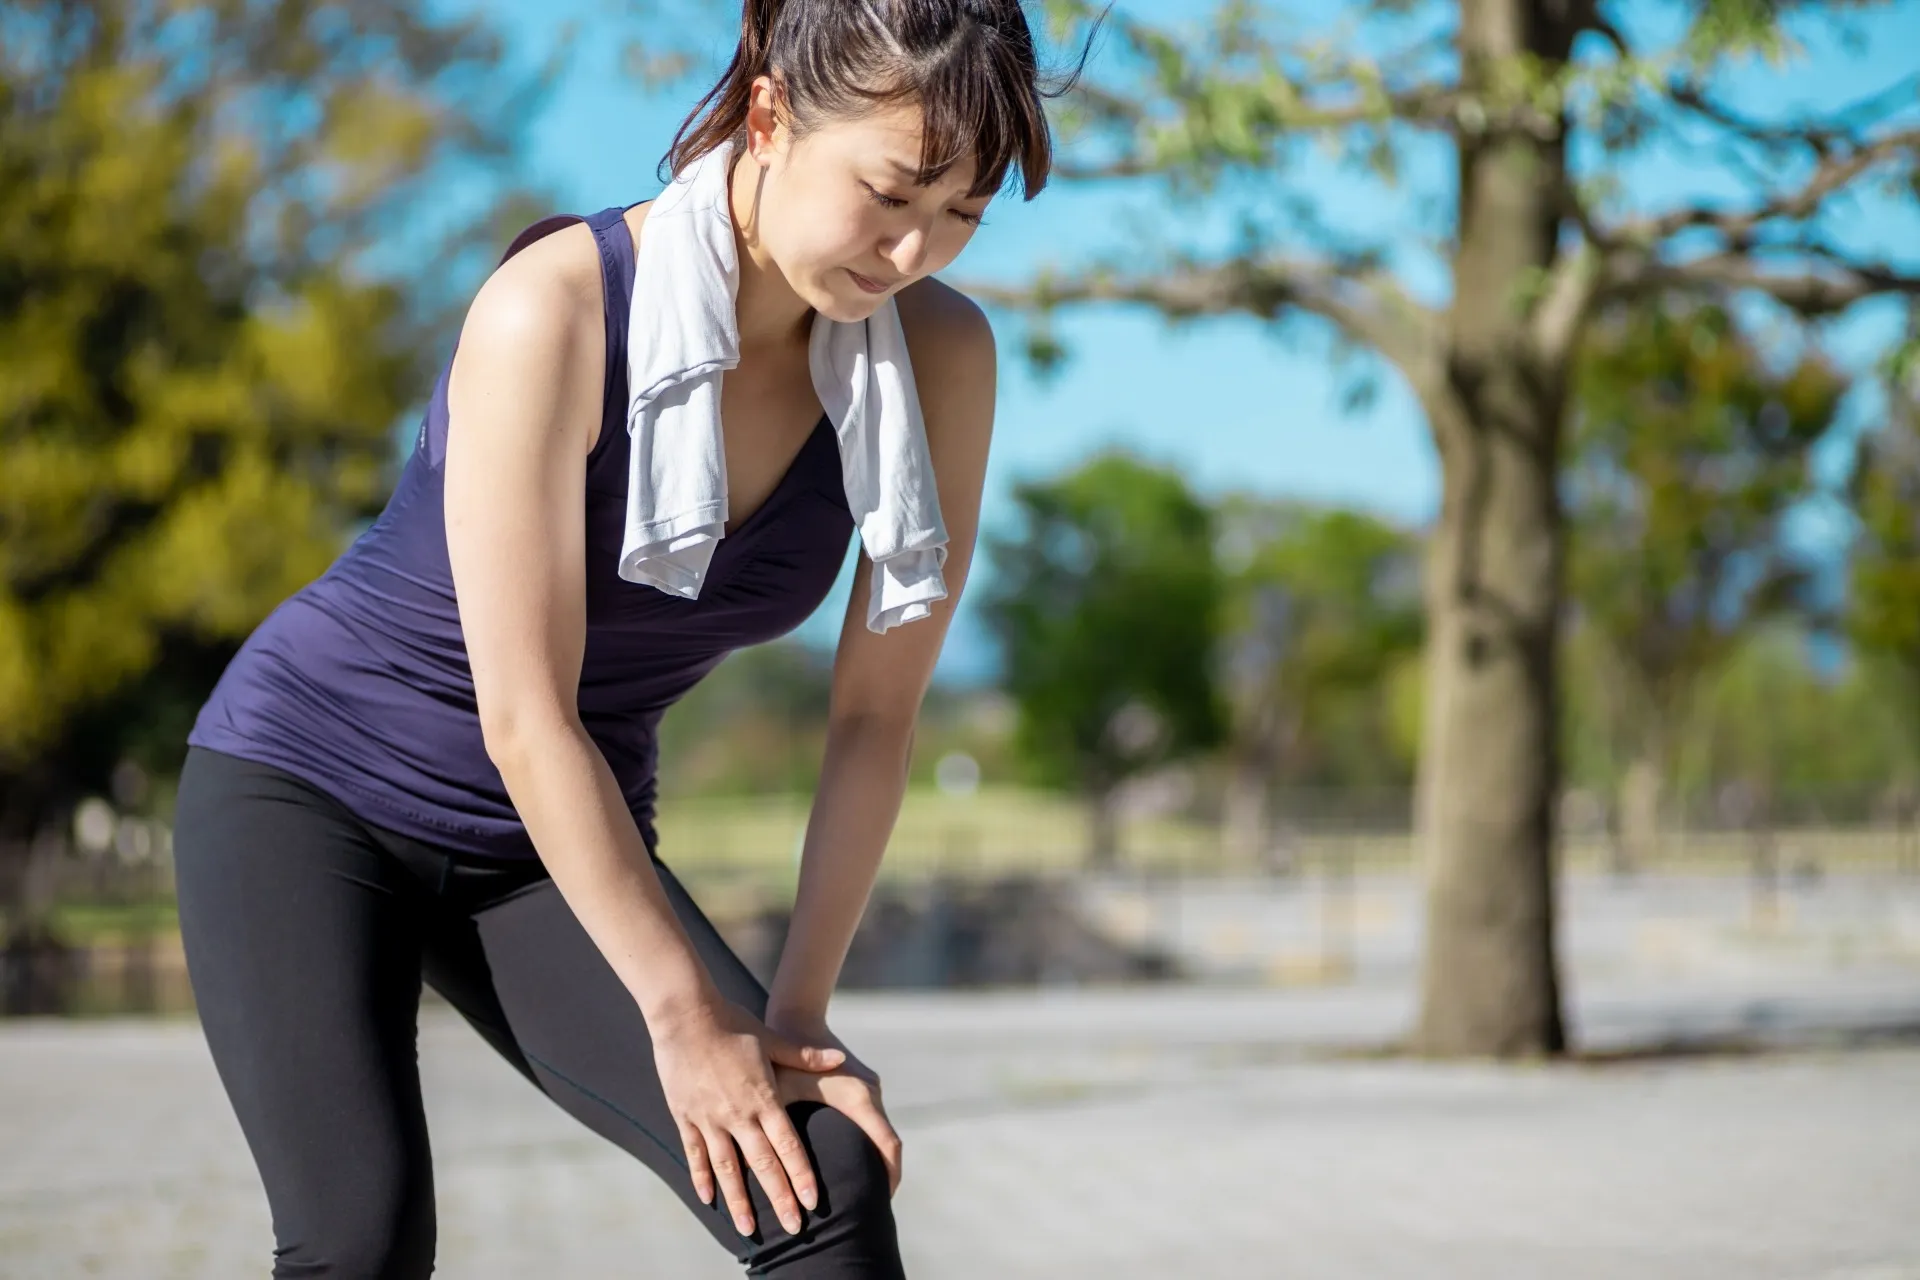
(615, 239)
(615, 242)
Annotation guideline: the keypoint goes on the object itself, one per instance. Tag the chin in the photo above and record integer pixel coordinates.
(848, 306)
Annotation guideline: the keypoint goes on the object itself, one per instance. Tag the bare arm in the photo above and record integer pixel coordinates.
(879, 680)
(524, 403)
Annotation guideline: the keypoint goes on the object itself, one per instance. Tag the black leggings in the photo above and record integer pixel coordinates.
(308, 933)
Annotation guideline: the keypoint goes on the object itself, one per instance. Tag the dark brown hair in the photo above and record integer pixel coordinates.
(969, 64)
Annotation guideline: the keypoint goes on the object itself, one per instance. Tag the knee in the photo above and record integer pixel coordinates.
(375, 1237)
(852, 1231)
(853, 1177)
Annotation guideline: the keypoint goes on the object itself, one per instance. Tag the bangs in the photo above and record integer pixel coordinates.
(980, 102)
(969, 67)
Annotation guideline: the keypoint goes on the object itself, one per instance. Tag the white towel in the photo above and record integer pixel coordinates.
(682, 337)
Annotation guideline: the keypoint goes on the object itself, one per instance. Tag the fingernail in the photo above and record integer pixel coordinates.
(792, 1225)
(743, 1226)
(810, 1198)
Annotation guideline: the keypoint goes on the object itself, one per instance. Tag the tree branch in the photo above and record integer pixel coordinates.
(1435, 108)
(1369, 307)
(1124, 167)
(1835, 170)
(1237, 97)
(1820, 136)
(1810, 292)
(1571, 291)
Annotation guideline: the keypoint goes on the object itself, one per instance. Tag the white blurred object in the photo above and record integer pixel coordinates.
(94, 823)
(957, 774)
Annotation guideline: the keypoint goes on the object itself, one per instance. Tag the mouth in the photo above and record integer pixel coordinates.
(868, 284)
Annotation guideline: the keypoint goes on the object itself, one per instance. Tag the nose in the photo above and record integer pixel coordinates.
(908, 254)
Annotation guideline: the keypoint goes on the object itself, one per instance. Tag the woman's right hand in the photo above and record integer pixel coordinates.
(716, 1065)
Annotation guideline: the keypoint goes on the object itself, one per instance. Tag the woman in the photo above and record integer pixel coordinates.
(437, 760)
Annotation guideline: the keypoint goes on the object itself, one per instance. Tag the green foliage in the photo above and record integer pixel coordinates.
(1769, 716)
(1106, 605)
(757, 724)
(1883, 605)
(1689, 452)
(1323, 618)
(1779, 711)
(207, 350)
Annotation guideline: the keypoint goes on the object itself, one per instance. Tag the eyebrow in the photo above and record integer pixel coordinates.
(906, 172)
(911, 173)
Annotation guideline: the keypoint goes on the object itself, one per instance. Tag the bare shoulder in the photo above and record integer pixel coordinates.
(533, 345)
(947, 332)
(548, 292)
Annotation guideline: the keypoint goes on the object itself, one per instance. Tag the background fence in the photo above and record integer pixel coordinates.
(995, 874)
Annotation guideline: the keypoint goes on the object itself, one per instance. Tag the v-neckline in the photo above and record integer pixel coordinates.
(780, 486)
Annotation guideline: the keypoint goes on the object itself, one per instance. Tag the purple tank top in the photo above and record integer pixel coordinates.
(360, 684)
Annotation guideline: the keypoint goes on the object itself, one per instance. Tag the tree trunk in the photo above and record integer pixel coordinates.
(29, 839)
(1490, 764)
(1103, 828)
(1640, 786)
(1244, 812)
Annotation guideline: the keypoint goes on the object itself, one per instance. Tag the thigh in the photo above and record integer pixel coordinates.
(583, 1035)
(302, 945)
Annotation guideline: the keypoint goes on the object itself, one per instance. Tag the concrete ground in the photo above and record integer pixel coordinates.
(1123, 1135)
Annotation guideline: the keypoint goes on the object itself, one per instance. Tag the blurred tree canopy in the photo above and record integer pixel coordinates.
(1106, 605)
(228, 261)
(1883, 603)
(1323, 611)
(1823, 741)
(1689, 455)
(756, 724)
(1525, 120)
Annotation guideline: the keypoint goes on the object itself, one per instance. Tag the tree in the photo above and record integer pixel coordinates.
(1105, 604)
(1883, 598)
(1322, 606)
(1812, 734)
(1507, 92)
(758, 723)
(220, 284)
(1689, 455)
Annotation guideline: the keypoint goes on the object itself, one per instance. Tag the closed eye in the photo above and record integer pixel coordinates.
(895, 202)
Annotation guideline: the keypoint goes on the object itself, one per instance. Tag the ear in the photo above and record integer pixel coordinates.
(767, 132)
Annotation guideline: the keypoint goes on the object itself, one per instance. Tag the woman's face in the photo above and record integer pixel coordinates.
(838, 212)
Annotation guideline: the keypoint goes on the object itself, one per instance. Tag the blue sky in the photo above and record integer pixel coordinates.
(1233, 405)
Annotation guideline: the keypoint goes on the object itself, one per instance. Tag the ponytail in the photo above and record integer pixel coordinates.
(722, 113)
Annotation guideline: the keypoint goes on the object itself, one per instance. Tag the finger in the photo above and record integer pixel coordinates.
(698, 1166)
(792, 1154)
(864, 1108)
(770, 1173)
(732, 1179)
(880, 1131)
(809, 1057)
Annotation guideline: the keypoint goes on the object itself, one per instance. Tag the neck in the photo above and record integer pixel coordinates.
(770, 314)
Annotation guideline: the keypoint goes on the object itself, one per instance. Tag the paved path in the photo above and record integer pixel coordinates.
(1120, 1135)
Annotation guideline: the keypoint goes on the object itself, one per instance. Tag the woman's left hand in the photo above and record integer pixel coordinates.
(852, 1088)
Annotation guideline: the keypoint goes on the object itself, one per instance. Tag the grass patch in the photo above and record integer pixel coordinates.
(95, 924)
